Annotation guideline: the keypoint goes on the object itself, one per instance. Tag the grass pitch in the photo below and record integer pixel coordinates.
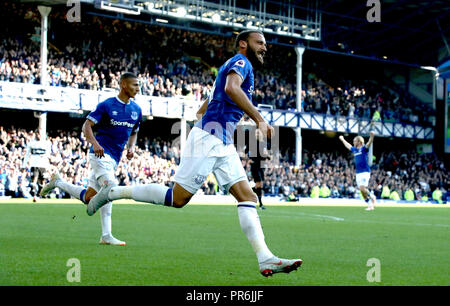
(203, 245)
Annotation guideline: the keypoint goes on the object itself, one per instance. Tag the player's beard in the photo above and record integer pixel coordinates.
(253, 58)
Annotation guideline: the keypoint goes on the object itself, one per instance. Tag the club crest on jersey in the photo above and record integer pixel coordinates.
(114, 113)
(240, 63)
(199, 179)
(134, 115)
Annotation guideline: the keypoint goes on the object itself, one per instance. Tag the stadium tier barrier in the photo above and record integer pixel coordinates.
(72, 100)
(65, 99)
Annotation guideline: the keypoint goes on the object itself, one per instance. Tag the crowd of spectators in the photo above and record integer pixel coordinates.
(332, 175)
(363, 100)
(156, 161)
(92, 54)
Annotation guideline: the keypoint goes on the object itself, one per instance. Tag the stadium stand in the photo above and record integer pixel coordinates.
(157, 162)
(78, 62)
(95, 63)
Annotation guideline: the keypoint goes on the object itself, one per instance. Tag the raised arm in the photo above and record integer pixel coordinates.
(234, 91)
(369, 143)
(346, 144)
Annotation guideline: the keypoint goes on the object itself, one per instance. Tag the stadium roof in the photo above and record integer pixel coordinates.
(415, 32)
(411, 32)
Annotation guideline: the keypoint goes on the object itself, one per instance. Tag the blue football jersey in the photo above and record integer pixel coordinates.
(361, 159)
(222, 114)
(115, 122)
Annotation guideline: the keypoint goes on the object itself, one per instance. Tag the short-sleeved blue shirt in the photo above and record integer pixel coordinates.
(361, 159)
(115, 122)
(222, 114)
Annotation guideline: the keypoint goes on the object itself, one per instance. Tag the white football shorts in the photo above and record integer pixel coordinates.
(204, 154)
(101, 168)
(362, 179)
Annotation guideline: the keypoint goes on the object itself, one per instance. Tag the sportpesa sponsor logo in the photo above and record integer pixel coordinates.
(121, 123)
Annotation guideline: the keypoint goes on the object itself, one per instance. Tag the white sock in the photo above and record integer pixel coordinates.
(373, 200)
(251, 226)
(151, 193)
(73, 190)
(105, 218)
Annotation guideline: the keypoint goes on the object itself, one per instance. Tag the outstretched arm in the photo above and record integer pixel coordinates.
(346, 144)
(369, 143)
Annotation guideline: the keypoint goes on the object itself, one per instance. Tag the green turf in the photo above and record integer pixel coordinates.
(203, 245)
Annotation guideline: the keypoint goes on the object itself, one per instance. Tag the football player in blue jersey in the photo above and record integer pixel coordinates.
(116, 121)
(210, 149)
(360, 153)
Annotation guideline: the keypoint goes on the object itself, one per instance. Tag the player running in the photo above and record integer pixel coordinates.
(360, 154)
(117, 121)
(209, 148)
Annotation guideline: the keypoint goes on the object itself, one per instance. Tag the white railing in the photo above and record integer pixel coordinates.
(66, 99)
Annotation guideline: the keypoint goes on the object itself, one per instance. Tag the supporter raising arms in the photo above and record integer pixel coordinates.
(360, 152)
